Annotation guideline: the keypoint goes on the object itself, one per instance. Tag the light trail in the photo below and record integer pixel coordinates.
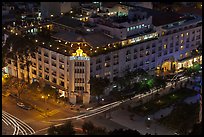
(19, 126)
(106, 107)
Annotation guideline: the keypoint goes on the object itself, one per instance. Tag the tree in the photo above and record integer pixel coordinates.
(65, 129)
(20, 48)
(88, 127)
(52, 130)
(124, 132)
(98, 86)
(47, 89)
(20, 86)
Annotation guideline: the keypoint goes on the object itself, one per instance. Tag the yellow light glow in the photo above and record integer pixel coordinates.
(181, 47)
(65, 50)
(187, 33)
(43, 43)
(4, 28)
(97, 47)
(42, 97)
(181, 41)
(181, 34)
(79, 52)
(50, 45)
(16, 33)
(104, 48)
(36, 40)
(164, 46)
(62, 13)
(51, 15)
(57, 48)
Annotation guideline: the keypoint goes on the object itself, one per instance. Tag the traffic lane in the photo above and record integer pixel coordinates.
(31, 117)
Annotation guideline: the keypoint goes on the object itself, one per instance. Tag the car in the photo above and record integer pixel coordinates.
(22, 105)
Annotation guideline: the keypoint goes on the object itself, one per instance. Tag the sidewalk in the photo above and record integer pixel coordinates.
(122, 117)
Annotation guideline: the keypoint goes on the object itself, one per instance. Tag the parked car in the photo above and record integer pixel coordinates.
(22, 105)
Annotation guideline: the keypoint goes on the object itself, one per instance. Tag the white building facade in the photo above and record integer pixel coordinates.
(69, 74)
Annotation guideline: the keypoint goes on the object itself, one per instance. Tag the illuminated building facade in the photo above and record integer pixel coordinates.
(69, 74)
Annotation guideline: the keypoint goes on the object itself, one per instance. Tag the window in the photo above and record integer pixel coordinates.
(61, 66)
(107, 58)
(107, 64)
(135, 65)
(115, 56)
(53, 57)
(54, 73)
(40, 74)
(47, 70)
(45, 54)
(34, 72)
(135, 56)
(181, 56)
(9, 61)
(79, 80)
(79, 71)
(79, 63)
(187, 34)
(164, 46)
(46, 61)
(54, 80)
(62, 83)
(181, 34)
(98, 67)
(98, 60)
(181, 41)
(79, 88)
(128, 59)
(128, 52)
(54, 64)
(181, 47)
(46, 77)
(128, 29)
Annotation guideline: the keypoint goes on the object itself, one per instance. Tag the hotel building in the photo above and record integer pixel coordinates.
(113, 47)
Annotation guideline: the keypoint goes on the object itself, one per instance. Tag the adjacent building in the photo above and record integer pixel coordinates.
(114, 45)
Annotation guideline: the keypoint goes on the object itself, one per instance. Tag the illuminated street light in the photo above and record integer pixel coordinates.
(148, 118)
(50, 45)
(36, 40)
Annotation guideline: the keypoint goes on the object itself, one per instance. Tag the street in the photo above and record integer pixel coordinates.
(40, 124)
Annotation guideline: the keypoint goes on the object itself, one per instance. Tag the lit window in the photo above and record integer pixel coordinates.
(134, 27)
(181, 34)
(164, 46)
(186, 54)
(181, 47)
(128, 29)
(142, 25)
(181, 41)
(181, 55)
(139, 26)
(162, 32)
(187, 33)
